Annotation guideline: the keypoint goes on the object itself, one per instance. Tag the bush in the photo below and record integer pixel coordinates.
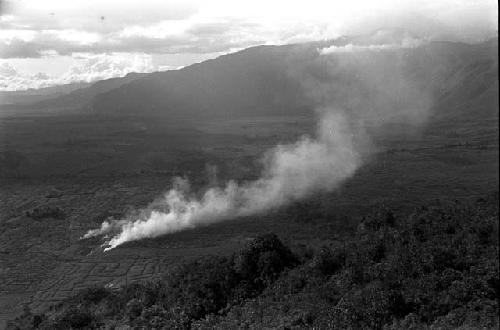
(262, 261)
(437, 268)
(75, 318)
(45, 212)
(328, 261)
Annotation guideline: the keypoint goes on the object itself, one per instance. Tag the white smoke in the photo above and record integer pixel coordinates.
(290, 172)
(358, 94)
(349, 48)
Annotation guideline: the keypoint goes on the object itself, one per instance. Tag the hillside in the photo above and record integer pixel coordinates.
(83, 96)
(40, 94)
(266, 81)
(436, 268)
(276, 80)
(253, 81)
(62, 173)
(73, 96)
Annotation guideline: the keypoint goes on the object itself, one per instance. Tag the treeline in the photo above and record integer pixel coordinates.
(436, 268)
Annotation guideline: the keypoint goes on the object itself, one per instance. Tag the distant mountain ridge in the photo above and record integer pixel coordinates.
(85, 95)
(272, 80)
(269, 80)
(69, 95)
(36, 95)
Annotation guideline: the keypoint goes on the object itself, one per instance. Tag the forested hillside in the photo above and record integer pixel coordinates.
(436, 268)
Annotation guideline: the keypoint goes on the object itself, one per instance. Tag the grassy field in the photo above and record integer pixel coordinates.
(91, 167)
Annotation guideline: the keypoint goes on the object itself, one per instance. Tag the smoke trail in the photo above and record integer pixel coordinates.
(290, 172)
(357, 92)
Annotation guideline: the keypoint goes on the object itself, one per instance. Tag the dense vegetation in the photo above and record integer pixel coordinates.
(436, 268)
(43, 212)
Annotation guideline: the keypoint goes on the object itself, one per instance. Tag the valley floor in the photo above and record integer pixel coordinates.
(66, 186)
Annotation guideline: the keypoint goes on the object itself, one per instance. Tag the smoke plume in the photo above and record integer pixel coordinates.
(290, 172)
(347, 117)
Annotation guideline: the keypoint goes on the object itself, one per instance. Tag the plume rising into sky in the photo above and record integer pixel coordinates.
(383, 94)
(45, 43)
(291, 172)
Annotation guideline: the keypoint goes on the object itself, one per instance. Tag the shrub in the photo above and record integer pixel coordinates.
(45, 212)
(328, 261)
(437, 268)
(75, 318)
(262, 261)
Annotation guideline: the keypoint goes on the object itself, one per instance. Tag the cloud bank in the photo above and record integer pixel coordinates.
(378, 41)
(89, 68)
(32, 29)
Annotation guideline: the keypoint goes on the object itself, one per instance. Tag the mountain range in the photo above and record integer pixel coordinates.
(460, 78)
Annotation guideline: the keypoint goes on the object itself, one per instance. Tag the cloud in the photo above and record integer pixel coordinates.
(380, 40)
(91, 15)
(20, 49)
(97, 67)
(90, 68)
(158, 27)
(7, 70)
(198, 30)
(163, 38)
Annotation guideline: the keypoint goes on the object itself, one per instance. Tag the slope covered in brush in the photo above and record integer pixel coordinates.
(436, 268)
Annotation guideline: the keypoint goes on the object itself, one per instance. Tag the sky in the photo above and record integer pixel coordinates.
(50, 42)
